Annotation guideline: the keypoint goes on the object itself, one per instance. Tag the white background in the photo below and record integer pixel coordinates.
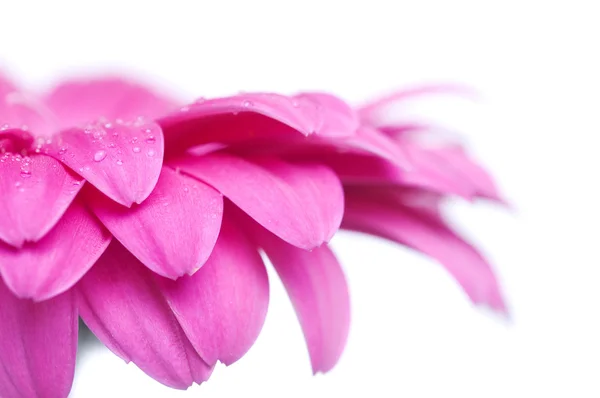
(537, 128)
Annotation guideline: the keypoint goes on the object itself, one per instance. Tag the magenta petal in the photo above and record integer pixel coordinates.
(317, 287)
(302, 204)
(81, 101)
(34, 193)
(122, 305)
(455, 160)
(121, 160)
(53, 264)
(256, 116)
(222, 307)
(369, 113)
(338, 119)
(423, 231)
(174, 230)
(38, 343)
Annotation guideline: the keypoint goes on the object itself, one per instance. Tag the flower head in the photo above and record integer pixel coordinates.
(147, 220)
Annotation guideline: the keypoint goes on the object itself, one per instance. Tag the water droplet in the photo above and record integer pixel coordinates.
(100, 155)
(136, 149)
(18, 184)
(147, 130)
(108, 125)
(151, 153)
(295, 103)
(186, 189)
(62, 150)
(247, 104)
(134, 140)
(25, 173)
(111, 145)
(151, 140)
(4, 126)
(119, 162)
(76, 183)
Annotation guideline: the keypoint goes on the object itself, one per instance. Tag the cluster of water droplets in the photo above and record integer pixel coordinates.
(105, 136)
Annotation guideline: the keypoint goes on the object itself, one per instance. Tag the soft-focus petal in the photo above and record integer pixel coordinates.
(425, 232)
(38, 343)
(456, 160)
(56, 262)
(373, 112)
(173, 231)
(372, 171)
(222, 307)
(337, 119)
(35, 192)
(82, 101)
(14, 139)
(317, 287)
(303, 204)
(122, 305)
(123, 160)
(256, 116)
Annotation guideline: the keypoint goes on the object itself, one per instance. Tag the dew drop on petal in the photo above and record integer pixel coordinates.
(100, 155)
(151, 139)
(25, 173)
(247, 104)
(136, 149)
(119, 162)
(151, 153)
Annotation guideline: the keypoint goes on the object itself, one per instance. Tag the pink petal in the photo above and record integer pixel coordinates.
(372, 142)
(122, 160)
(370, 113)
(317, 287)
(338, 119)
(302, 204)
(426, 233)
(14, 139)
(34, 193)
(82, 101)
(256, 116)
(38, 343)
(222, 307)
(53, 264)
(454, 159)
(122, 305)
(173, 231)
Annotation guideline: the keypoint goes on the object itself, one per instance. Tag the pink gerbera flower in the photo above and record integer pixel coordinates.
(147, 220)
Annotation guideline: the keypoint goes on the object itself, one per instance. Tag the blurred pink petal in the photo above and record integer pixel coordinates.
(50, 266)
(35, 191)
(222, 307)
(317, 287)
(38, 343)
(427, 234)
(122, 305)
(256, 116)
(370, 113)
(173, 231)
(456, 160)
(78, 102)
(301, 203)
(122, 160)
